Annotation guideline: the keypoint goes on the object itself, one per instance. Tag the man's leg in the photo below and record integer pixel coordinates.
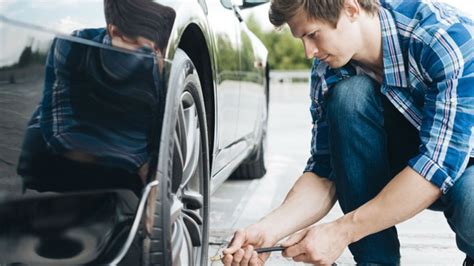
(359, 157)
(459, 210)
(458, 203)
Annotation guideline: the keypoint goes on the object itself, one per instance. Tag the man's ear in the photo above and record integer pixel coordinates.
(113, 31)
(352, 9)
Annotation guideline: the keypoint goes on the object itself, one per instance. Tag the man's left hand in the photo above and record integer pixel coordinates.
(320, 244)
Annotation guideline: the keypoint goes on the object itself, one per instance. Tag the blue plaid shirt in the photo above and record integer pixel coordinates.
(428, 50)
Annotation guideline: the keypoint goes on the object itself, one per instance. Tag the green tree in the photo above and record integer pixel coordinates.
(285, 52)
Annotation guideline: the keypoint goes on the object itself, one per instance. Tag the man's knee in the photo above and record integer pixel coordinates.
(461, 213)
(351, 97)
(463, 226)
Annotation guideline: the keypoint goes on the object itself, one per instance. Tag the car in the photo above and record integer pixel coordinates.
(184, 117)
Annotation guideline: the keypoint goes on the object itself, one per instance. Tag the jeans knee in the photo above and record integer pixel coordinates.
(460, 212)
(353, 98)
(463, 226)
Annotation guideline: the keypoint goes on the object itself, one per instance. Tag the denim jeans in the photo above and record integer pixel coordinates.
(370, 142)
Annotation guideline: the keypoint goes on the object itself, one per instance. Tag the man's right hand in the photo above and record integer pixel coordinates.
(310, 199)
(241, 249)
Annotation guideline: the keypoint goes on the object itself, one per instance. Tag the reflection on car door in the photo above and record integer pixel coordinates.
(225, 25)
(252, 94)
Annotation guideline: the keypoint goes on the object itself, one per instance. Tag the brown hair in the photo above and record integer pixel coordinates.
(141, 18)
(326, 10)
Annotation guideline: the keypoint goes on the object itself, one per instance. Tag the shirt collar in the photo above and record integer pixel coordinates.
(107, 40)
(394, 66)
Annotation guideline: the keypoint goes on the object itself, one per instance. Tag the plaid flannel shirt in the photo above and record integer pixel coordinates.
(428, 50)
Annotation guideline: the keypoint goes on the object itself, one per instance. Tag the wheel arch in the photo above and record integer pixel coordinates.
(194, 44)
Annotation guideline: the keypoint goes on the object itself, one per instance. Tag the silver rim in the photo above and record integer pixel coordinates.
(187, 212)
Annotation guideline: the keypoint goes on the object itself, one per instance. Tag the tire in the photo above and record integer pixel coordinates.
(254, 166)
(177, 214)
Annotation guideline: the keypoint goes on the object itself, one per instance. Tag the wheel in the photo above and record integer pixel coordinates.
(254, 166)
(176, 222)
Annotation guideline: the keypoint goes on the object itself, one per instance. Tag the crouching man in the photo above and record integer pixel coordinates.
(392, 103)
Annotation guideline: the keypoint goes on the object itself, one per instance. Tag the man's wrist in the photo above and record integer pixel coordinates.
(349, 227)
(267, 235)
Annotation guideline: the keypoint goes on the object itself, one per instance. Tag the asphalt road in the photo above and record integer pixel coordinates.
(425, 239)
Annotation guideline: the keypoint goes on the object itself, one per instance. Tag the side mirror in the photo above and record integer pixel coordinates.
(252, 3)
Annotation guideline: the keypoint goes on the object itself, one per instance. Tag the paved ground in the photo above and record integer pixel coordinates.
(239, 203)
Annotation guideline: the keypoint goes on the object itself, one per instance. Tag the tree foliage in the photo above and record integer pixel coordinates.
(285, 52)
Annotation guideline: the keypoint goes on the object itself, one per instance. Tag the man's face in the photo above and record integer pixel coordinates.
(335, 46)
(122, 41)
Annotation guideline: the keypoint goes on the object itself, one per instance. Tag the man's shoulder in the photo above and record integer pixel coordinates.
(424, 21)
(92, 34)
(426, 14)
(322, 73)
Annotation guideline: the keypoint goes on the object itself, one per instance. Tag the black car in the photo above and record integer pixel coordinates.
(109, 155)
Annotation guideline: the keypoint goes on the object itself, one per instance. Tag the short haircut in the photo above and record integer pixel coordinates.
(325, 10)
(141, 18)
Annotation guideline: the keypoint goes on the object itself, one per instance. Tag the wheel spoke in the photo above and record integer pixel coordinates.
(176, 208)
(181, 128)
(193, 140)
(187, 210)
(178, 162)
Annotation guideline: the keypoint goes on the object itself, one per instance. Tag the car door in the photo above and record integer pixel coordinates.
(225, 27)
(252, 87)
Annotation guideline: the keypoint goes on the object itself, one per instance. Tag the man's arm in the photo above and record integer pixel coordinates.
(403, 197)
(310, 199)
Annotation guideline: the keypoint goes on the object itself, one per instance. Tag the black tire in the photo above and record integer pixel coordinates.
(178, 211)
(254, 166)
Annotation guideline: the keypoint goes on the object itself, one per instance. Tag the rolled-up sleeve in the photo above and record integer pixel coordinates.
(446, 131)
(319, 161)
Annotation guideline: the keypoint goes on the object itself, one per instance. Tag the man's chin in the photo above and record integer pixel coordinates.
(336, 63)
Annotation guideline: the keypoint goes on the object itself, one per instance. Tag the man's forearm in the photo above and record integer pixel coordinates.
(403, 197)
(310, 199)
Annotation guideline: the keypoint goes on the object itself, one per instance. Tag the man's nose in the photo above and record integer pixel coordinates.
(310, 49)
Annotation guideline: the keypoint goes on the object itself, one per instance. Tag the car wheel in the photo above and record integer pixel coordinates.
(254, 166)
(178, 210)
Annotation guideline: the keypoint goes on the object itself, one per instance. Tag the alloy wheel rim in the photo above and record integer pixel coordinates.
(187, 211)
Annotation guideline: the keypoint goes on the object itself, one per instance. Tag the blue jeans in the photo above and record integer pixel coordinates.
(370, 142)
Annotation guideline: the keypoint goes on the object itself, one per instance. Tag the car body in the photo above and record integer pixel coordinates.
(208, 121)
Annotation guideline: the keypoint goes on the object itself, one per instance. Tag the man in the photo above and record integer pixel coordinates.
(93, 125)
(392, 102)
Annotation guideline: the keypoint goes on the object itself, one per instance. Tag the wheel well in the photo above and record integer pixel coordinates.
(194, 44)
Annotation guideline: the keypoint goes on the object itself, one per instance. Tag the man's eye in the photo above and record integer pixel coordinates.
(312, 35)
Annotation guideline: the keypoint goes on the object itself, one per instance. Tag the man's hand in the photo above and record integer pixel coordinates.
(294, 214)
(241, 248)
(319, 244)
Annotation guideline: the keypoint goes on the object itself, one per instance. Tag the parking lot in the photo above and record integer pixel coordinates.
(425, 239)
